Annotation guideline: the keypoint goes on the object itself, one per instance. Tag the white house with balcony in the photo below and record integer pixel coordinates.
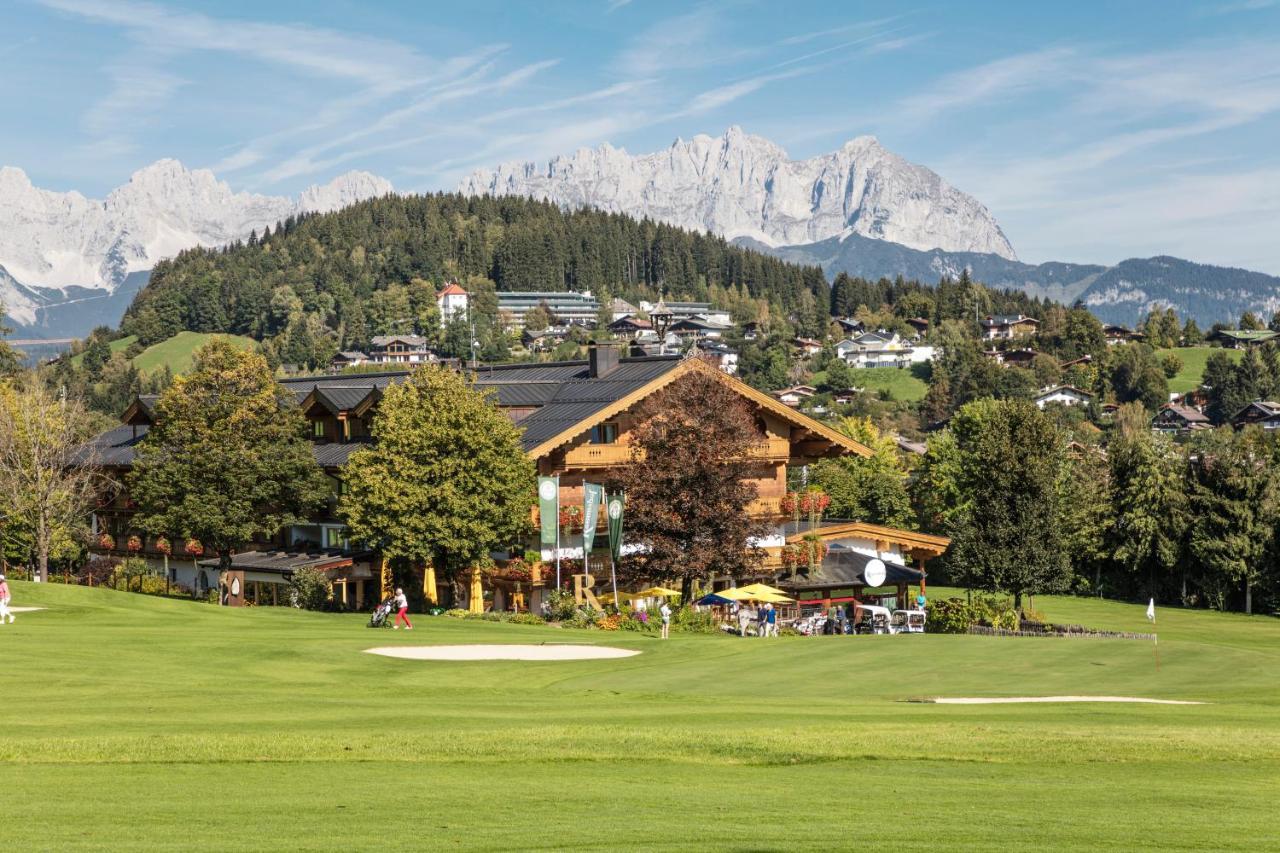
(881, 349)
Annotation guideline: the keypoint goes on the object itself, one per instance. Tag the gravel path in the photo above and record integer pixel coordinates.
(501, 652)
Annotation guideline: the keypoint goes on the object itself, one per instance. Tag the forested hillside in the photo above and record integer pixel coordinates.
(331, 281)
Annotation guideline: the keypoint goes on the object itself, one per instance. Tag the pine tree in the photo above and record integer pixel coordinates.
(1149, 502)
(1007, 537)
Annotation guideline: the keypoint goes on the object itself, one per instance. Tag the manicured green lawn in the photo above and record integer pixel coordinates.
(1193, 361)
(137, 723)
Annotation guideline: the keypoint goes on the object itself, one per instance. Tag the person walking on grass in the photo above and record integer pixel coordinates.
(771, 620)
(402, 611)
(665, 611)
(4, 601)
(762, 621)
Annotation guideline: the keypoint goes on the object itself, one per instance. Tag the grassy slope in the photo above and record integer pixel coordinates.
(131, 722)
(1193, 361)
(118, 345)
(178, 350)
(901, 382)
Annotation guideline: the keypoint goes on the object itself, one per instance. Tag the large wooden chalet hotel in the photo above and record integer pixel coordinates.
(577, 419)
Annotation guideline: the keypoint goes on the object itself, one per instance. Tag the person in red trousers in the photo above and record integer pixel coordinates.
(402, 611)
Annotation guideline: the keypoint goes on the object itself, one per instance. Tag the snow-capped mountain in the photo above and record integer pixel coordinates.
(51, 241)
(739, 185)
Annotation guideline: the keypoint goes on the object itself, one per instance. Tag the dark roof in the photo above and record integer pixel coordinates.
(561, 394)
(843, 567)
(335, 454)
(1008, 320)
(284, 562)
(1186, 413)
(114, 448)
(337, 398)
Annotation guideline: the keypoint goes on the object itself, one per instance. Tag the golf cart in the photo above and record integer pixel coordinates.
(907, 622)
(872, 619)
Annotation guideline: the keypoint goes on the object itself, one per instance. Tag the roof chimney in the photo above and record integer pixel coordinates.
(603, 358)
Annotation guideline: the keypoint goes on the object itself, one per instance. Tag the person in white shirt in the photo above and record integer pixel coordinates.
(665, 611)
(402, 611)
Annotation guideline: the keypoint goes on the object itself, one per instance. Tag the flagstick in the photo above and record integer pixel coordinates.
(613, 574)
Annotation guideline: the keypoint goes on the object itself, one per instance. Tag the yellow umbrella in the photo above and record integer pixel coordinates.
(476, 604)
(429, 586)
(734, 594)
(657, 592)
(607, 598)
(758, 589)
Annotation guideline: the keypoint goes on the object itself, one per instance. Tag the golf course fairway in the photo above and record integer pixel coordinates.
(136, 723)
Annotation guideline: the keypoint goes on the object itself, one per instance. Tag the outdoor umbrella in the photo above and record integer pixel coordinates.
(657, 592)
(756, 590)
(714, 598)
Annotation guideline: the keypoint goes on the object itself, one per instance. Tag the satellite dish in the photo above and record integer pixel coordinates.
(873, 573)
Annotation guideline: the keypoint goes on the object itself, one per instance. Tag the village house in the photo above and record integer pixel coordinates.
(629, 326)
(1064, 395)
(807, 347)
(348, 358)
(577, 420)
(698, 329)
(1243, 339)
(795, 395)
(452, 300)
(1264, 414)
(1175, 418)
(921, 326)
(1121, 335)
(1008, 326)
(720, 355)
(400, 349)
(850, 326)
(881, 349)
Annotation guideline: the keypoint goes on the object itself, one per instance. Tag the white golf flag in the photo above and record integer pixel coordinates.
(1151, 611)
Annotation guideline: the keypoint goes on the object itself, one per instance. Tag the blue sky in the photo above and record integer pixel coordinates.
(1093, 131)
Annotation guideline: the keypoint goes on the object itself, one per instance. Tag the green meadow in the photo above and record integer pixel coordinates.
(1193, 361)
(136, 723)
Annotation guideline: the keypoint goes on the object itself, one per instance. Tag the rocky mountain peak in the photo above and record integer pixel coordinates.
(741, 185)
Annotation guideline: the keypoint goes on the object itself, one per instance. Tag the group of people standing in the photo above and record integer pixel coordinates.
(764, 615)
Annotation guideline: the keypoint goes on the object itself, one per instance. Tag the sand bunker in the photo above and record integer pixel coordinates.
(24, 609)
(499, 652)
(1009, 700)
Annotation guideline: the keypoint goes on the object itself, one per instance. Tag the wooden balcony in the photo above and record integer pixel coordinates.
(598, 456)
(765, 508)
(613, 455)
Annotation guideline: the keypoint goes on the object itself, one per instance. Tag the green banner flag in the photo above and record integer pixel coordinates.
(549, 511)
(614, 510)
(592, 497)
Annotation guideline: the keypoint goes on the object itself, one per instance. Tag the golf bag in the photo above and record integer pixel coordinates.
(378, 619)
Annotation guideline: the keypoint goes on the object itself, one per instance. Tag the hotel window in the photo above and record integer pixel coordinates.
(317, 429)
(604, 434)
(333, 538)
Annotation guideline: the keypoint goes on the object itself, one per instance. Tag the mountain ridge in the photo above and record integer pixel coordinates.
(1121, 293)
(51, 241)
(739, 185)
